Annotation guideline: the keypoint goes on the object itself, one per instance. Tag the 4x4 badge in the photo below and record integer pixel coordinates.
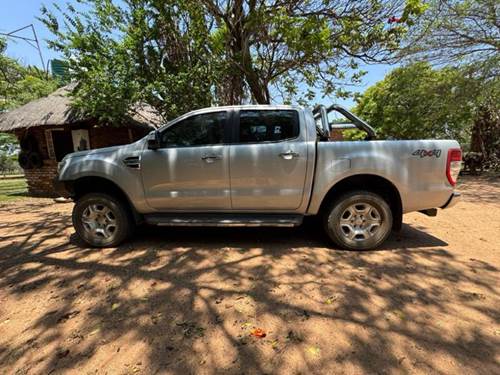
(423, 153)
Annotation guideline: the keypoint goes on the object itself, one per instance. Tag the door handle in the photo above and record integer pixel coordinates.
(211, 158)
(288, 155)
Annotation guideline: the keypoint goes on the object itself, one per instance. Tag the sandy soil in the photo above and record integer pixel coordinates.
(185, 301)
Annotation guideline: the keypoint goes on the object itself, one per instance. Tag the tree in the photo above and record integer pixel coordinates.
(417, 101)
(20, 84)
(283, 44)
(151, 51)
(457, 32)
(485, 138)
(465, 34)
(185, 54)
(8, 153)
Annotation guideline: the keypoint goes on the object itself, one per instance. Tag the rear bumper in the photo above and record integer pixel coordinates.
(453, 200)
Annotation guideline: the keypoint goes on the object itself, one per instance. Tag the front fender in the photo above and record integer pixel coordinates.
(111, 168)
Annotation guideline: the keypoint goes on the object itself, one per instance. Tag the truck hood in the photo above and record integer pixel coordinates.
(105, 151)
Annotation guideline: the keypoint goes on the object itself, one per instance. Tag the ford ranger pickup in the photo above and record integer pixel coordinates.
(259, 166)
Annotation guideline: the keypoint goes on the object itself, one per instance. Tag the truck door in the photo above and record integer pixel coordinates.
(268, 161)
(190, 170)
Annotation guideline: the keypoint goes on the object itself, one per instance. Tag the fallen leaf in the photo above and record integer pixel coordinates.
(313, 350)
(330, 300)
(258, 332)
(190, 329)
(115, 306)
(274, 345)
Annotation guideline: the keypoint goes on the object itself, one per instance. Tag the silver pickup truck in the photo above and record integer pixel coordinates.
(259, 166)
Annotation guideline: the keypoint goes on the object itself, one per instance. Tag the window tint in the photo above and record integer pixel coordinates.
(265, 126)
(204, 129)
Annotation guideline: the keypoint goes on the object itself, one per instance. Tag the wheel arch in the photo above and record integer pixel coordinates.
(95, 184)
(374, 183)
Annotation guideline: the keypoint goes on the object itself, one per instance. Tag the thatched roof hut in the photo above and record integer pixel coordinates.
(49, 128)
(55, 109)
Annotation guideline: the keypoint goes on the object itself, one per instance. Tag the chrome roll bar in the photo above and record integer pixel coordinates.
(321, 112)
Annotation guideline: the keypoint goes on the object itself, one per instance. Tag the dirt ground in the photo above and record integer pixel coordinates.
(185, 301)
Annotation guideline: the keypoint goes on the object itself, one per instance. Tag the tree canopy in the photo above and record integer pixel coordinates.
(457, 32)
(185, 54)
(20, 84)
(417, 101)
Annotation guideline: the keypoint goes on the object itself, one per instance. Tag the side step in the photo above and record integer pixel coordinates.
(224, 220)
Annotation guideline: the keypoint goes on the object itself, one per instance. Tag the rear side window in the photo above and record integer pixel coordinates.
(197, 130)
(268, 126)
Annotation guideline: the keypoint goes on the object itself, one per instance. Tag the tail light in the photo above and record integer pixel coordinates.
(453, 165)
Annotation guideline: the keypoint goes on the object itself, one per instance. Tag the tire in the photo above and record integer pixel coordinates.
(24, 160)
(35, 160)
(102, 220)
(358, 220)
(29, 143)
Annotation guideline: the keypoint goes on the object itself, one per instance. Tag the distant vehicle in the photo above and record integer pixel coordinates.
(259, 166)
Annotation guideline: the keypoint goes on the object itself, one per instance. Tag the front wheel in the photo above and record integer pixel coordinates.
(359, 220)
(101, 220)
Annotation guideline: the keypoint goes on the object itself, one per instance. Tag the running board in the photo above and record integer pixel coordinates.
(224, 220)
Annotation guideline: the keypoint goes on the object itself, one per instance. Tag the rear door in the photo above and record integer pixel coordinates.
(268, 161)
(190, 171)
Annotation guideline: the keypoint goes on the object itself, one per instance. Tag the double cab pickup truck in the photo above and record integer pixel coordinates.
(259, 166)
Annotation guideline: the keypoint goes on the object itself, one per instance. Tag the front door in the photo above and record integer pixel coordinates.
(268, 163)
(190, 170)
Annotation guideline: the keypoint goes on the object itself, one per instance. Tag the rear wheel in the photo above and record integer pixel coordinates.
(359, 220)
(101, 220)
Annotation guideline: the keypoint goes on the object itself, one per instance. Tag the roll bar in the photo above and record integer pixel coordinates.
(321, 112)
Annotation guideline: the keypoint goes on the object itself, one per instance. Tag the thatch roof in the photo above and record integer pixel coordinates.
(55, 109)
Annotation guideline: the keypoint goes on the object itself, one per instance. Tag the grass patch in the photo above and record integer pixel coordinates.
(12, 189)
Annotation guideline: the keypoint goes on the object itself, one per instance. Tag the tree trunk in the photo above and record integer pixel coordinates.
(242, 59)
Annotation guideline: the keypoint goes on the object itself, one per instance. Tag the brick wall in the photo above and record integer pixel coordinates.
(336, 135)
(40, 179)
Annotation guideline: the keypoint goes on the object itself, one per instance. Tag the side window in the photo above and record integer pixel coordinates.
(268, 126)
(197, 130)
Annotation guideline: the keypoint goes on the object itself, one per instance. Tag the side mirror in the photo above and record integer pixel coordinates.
(154, 141)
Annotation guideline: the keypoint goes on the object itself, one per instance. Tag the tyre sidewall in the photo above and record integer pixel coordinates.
(332, 220)
(123, 220)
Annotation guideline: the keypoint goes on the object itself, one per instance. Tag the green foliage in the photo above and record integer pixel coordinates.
(457, 32)
(179, 55)
(8, 153)
(20, 84)
(417, 101)
(8, 164)
(8, 143)
(486, 133)
(150, 51)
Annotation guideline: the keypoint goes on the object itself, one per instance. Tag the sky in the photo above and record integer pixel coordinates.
(15, 14)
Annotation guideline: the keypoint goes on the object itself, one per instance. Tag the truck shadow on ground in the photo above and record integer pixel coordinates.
(185, 300)
(310, 233)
